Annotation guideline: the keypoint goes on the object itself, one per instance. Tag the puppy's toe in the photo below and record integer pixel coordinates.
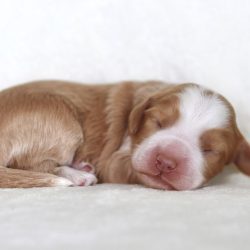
(81, 178)
(84, 166)
(85, 179)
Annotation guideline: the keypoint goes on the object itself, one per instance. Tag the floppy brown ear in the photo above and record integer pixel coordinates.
(242, 157)
(136, 116)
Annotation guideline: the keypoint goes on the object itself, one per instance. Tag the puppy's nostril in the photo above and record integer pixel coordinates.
(164, 165)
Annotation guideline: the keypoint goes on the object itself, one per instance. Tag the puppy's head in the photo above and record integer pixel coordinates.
(184, 135)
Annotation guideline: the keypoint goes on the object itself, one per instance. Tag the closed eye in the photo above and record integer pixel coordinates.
(209, 151)
(158, 123)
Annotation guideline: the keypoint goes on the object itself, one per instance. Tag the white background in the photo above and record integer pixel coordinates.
(207, 42)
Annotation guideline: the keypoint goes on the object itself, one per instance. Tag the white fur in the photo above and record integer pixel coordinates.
(126, 144)
(198, 113)
(77, 177)
(62, 182)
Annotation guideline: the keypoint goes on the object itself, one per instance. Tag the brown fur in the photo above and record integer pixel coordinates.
(45, 125)
(13, 178)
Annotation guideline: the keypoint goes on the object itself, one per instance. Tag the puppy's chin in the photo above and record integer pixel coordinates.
(153, 182)
(161, 182)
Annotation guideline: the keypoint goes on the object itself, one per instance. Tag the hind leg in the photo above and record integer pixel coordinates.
(17, 178)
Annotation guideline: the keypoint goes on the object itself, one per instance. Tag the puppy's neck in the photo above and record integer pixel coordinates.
(114, 160)
(114, 164)
(105, 126)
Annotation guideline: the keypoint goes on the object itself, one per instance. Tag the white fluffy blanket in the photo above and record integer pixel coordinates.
(128, 217)
(111, 40)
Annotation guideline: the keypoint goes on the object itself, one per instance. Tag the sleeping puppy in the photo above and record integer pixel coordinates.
(160, 135)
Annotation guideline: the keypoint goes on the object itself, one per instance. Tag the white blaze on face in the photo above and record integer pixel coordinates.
(202, 111)
(199, 112)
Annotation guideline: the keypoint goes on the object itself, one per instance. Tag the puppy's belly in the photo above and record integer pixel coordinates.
(38, 134)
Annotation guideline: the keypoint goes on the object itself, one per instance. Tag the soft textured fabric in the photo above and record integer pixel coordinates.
(128, 217)
(111, 40)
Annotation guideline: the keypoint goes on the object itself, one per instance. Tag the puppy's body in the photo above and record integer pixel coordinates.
(56, 128)
(46, 125)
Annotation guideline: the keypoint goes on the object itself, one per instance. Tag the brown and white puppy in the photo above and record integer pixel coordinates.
(152, 133)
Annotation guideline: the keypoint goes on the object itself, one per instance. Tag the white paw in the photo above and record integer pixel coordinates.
(77, 177)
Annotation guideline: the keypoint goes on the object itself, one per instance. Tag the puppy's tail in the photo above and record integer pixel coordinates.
(16, 178)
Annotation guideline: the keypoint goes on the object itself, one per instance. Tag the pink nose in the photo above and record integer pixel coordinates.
(164, 164)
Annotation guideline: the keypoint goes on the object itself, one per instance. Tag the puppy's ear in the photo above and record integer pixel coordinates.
(242, 156)
(136, 116)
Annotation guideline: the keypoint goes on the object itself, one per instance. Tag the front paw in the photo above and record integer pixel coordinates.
(77, 177)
